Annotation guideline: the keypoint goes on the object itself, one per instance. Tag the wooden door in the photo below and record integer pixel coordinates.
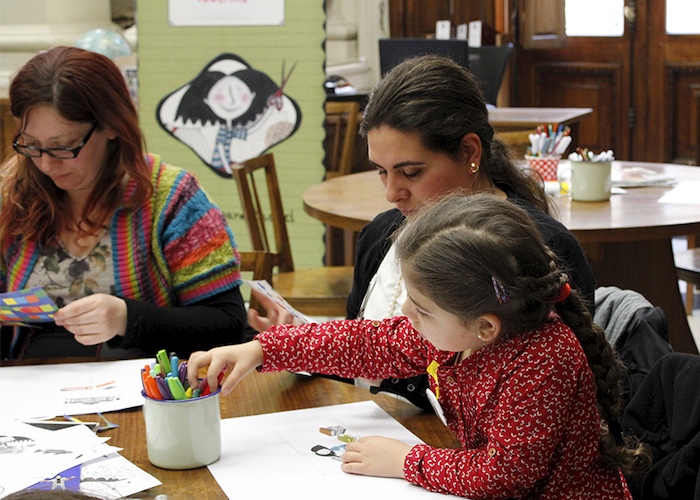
(673, 75)
(643, 86)
(417, 18)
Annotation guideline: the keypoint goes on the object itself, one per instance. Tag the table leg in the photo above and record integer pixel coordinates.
(646, 267)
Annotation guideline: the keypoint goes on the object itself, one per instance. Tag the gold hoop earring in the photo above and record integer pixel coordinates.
(474, 167)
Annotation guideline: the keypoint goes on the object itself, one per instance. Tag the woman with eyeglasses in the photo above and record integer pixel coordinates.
(131, 249)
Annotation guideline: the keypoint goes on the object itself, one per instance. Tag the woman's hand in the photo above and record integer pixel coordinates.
(94, 319)
(375, 456)
(237, 360)
(276, 315)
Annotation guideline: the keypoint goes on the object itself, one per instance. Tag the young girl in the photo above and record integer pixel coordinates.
(525, 380)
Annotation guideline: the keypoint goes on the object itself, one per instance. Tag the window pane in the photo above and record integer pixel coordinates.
(682, 17)
(595, 17)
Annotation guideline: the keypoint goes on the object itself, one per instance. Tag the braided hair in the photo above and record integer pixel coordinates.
(481, 241)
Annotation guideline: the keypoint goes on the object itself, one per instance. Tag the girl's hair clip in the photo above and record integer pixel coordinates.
(500, 289)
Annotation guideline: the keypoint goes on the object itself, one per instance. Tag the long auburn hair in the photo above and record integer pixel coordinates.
(441, 101)
(453, 251)
(82, 86)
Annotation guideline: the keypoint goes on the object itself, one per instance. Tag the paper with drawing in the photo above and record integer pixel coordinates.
(289, 447)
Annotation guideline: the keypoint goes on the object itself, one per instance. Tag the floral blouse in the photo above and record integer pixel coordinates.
(66, 277)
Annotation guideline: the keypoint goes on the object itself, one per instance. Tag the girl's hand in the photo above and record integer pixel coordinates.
(237, 360)
(375, 456)
(276, 315)
(94, 319)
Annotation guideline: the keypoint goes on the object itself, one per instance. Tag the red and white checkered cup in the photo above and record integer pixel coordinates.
(546, 166)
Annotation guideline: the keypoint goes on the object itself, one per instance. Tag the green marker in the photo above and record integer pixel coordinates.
(162, 357)
(176, 388)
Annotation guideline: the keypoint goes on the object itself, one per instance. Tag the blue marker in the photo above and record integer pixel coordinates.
(174, 364)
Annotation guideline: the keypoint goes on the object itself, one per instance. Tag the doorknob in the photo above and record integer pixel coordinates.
(630, 12)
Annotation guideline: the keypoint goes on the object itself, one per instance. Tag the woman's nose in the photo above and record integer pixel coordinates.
(46, 163)
(394, 190)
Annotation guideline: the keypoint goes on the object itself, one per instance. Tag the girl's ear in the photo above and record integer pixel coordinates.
(489, 328)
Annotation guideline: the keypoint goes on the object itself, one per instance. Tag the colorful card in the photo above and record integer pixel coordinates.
(31, 305)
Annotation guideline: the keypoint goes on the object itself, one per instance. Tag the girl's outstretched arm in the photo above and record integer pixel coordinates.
(237, 360)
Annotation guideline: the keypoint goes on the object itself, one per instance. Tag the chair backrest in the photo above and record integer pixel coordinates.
(488, 63)
(343, 117)
(260, 264)
(249, 184)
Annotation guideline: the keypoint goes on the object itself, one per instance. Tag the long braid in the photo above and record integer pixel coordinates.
(615, 448)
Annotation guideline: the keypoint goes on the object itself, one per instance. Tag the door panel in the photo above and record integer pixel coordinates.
(681, 111)
(644, 87)
(589, 72)
(585, 86)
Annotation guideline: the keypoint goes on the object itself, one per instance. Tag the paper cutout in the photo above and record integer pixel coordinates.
(266, 289)
(31, 305)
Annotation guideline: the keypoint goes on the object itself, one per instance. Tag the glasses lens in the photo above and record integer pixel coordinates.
(27, 151)
(61, 154)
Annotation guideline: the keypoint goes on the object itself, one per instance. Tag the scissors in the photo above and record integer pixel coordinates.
(276, 98)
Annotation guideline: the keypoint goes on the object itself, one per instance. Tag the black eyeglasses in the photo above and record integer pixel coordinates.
(58, 153)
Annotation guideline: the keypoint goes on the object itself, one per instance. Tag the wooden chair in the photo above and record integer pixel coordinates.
(319, 291)
(344, 119)
(260, 264)
(688, 269)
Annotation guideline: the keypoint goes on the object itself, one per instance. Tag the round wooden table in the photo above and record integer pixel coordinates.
(626, 239)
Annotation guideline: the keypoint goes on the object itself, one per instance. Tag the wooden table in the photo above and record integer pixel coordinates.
(509, 119)
(627, 239)
(257, 394)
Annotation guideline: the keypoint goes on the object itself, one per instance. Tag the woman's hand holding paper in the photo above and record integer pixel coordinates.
(276, 314)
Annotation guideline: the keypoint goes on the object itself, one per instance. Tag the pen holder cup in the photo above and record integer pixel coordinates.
(546, 166)
(590, 180)
(183, 434)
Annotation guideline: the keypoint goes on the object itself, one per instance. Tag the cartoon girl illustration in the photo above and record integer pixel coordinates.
(229, 113)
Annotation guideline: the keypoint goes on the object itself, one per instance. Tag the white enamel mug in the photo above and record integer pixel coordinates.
(183, 434)
(590, 180)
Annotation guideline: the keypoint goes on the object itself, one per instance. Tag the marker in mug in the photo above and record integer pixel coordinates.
(174, 365)
(207, 391)
(162, 357)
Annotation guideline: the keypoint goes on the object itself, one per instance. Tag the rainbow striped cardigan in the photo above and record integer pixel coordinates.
(174, 251)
